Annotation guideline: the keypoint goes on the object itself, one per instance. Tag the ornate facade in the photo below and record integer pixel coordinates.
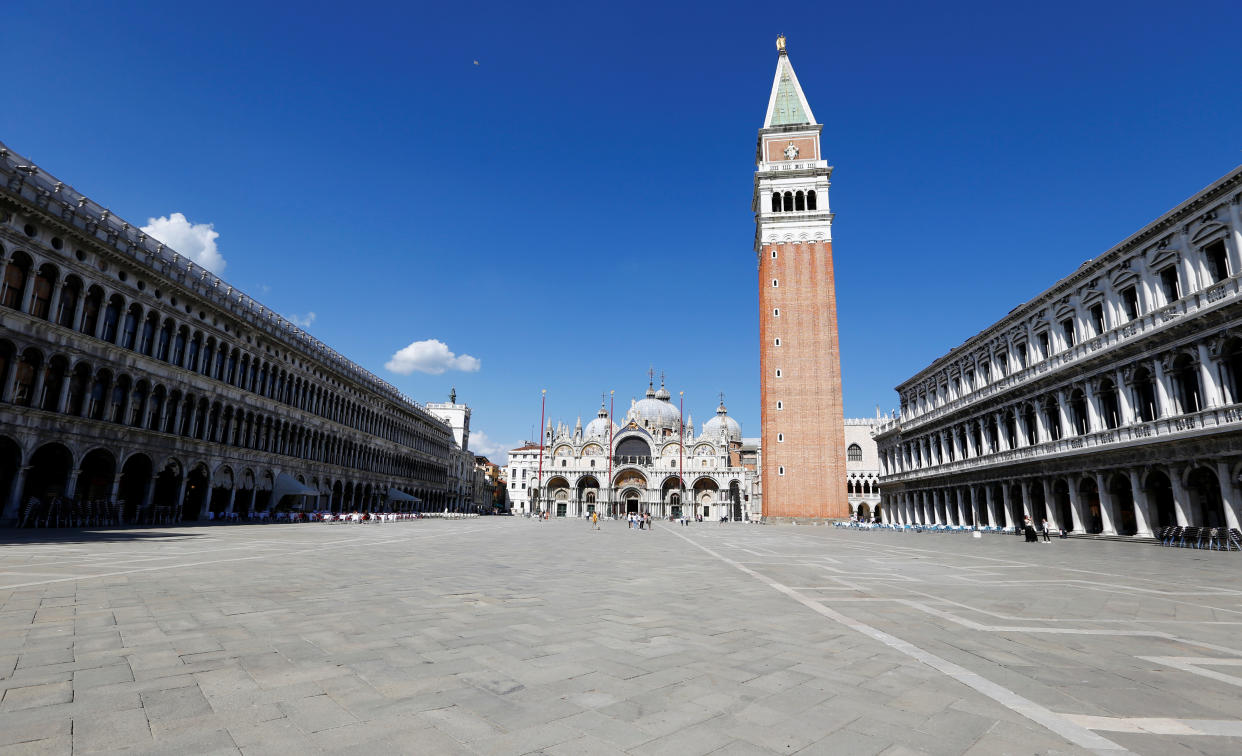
(799, 352)
(1110, 403)
(654, 464)
(134, 380)
(862, 467)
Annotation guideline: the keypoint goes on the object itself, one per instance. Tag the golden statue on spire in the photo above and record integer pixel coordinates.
(780, 44)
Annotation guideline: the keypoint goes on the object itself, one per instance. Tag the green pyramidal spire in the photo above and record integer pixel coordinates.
(787, 105)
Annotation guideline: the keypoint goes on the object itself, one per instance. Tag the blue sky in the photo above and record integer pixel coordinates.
(575, 207)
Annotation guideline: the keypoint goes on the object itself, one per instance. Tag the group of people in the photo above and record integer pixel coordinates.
(1028, 527)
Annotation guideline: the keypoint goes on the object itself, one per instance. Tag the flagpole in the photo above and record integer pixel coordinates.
(612, 401)
(681, 450)
(543, 403)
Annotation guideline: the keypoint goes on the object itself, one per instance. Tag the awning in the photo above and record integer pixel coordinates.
(395, 495)
(287, 485)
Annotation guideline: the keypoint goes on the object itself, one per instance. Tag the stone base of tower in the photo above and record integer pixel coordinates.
(804, 520)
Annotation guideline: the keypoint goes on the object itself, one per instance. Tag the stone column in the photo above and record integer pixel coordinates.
(148, 506)
(1181, 497)
(1207, 377)
(28, 289)
(1142, 507)
(1075, 506)
(1050, 505)
(1124, 409)
(36, 392)
(232, 499)
(1229, 495)
(1020, 428)
(54, 304)
(13, 504)
(1107, 508)
(62, 401)
(1164, 407)
(1002, 443)
(71, 484)
(961, 512)
(1093, 409)
(78, 309)
(1007, 507)
(1027, 511)
(991, 504)
(1067, 428)
(179, 506)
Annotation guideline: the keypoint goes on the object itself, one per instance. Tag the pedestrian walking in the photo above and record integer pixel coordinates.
(1044, 528)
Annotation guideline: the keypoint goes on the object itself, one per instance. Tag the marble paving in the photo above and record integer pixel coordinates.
(511, 636)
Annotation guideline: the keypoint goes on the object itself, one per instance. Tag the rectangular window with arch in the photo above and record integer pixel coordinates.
(780, 405)
(1129, 300)
(1097, 318)
(780, 470)
(776, 312)
(776, 341)
(1169, 284)
(1217, 261)
(778, 372)
(775, 283)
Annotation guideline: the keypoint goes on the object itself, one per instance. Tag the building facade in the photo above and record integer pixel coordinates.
(862, 467)
(799, 352)
(136, 384)
(649, 463)
(1110, 403)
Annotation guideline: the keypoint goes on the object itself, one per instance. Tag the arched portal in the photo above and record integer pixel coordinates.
(735, 500)
(167, 488)
(1089, 496)
(132, 493)
(1123, 503)
(197, 489)
(588, 493)
(95, 476)
(706, 494)
(557, 489)
(1061, 504)
(1206, 507)
(46, 480)
(1039, 507)
(10, 464)
(221, 489)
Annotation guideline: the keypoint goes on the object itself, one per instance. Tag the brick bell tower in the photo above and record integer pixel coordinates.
(799, 352)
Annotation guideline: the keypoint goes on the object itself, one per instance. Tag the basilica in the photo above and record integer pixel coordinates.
(656, 464)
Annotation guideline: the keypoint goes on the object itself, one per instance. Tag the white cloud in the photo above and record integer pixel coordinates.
(197, 241)
(303, 321)
(483, 446)
(430, 356)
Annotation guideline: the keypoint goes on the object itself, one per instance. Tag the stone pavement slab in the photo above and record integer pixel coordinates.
(507, 636)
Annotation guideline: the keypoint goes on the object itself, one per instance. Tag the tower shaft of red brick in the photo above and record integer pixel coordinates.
(799, 354)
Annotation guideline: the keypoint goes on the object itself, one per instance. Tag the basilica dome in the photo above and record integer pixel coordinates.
(655, 412)
(600, 427)
(732, 428)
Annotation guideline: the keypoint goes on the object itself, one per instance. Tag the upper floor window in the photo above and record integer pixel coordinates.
(854, 453)
(1067, 330)
(1169, 284)
(1097, 318)
(1043, 344)
(1217, 264)
(1022, 355)
(1129, 301)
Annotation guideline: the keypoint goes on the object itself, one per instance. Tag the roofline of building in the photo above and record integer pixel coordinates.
(1146, 235)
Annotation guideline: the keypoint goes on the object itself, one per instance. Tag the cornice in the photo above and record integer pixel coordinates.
(1164, 226)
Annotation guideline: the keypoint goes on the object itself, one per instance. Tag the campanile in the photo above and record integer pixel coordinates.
(799, 352)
